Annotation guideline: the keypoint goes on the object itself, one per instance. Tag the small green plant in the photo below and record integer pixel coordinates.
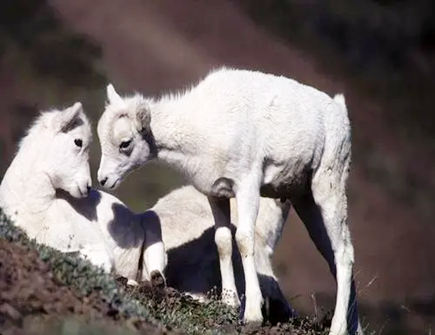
(169, 308)
(76, 272)
(165, 309)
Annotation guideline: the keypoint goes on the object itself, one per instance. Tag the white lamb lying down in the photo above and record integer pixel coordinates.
(46, 191)
(188, 233)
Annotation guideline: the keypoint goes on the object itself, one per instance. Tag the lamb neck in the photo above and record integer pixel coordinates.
(172, 134)
(25, 185)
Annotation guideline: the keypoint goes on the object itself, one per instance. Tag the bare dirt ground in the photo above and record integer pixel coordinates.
(32, 300)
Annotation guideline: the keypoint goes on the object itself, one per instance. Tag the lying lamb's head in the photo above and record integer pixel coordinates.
(64, 154)
(125, 137)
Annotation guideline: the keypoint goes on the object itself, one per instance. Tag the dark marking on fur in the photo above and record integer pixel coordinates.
(148, 136)
(223, 188)
(74, 123)
(139, 272)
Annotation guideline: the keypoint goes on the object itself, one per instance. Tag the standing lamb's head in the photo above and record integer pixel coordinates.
(125, 137)
(63, 139)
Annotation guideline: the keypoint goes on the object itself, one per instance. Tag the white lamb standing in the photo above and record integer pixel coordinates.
(46, 191)
(240, 134)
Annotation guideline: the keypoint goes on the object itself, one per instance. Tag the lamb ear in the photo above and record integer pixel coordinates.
(68, 117)
(112, 96)
(143, 118)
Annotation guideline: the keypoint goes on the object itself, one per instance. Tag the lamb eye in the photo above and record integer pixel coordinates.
(125, 144)
(78, 142)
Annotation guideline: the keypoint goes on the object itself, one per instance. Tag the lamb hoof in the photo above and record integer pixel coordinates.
(252, 327)
(132, 282)
(157, 279)
(230, 298)
(252, 318)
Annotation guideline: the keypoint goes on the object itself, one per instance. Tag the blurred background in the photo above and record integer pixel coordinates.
(380, 54)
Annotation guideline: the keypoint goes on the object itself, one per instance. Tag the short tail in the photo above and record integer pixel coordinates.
(340, 101)
(339, 98)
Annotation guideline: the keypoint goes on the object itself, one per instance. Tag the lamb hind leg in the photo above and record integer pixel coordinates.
(153, 258)
(276, 307)
(155, 263)
(325, 220)
(220, 208)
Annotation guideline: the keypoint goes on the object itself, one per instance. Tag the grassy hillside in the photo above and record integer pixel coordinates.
(43, 291)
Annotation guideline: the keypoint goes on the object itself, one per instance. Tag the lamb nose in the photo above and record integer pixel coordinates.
(89, 188)
(103, 181)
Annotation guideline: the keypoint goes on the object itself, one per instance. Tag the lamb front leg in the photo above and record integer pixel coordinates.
(220, 208)
(248, 201)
